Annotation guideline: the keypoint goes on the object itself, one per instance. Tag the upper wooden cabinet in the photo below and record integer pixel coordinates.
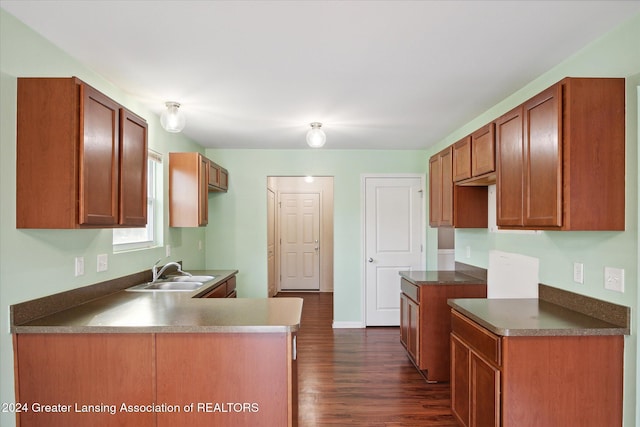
(188, 190)
(191, 177)
(218, 177)
(483, 152)
(133, 170)
(474, 158)
(441, 189)
(561, 158)
(452, 205)
(81, 158)
(462, 159)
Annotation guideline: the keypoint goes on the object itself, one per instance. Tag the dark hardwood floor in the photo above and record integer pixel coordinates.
(360, 377)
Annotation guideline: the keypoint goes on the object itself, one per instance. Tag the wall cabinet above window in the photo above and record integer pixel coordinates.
(81, 158)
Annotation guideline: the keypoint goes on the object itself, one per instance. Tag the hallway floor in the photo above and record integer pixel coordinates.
(360, 377)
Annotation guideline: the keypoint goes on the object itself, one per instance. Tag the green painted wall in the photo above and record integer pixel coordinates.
(35, 263)
(237, 231)
(615, 55)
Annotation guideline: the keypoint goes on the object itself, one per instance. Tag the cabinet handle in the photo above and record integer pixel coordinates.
(370, 259)
(295, 347)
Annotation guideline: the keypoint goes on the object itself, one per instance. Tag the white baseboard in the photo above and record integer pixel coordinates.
(348, 325)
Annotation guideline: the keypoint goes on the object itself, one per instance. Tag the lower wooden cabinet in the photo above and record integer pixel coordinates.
(522, 381)
(161, 379)
(425, 324)
(59, 376)
(223, 290)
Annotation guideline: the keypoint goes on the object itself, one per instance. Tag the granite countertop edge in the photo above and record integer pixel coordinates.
(603, 329)
(440, 277)
(167, 312)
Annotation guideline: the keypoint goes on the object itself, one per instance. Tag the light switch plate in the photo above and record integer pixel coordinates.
(79, 266)
(103, 262)
(614, 279)
(578, 272)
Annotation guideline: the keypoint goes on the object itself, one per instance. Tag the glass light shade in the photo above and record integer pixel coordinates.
(172, 119)
(316, 137)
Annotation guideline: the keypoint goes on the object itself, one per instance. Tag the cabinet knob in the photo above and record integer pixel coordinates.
(370, 259)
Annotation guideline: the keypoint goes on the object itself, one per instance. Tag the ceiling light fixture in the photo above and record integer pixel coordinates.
(172, 119)
(316, 137)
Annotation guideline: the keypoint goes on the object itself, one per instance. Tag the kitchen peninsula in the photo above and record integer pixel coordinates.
(156, 358)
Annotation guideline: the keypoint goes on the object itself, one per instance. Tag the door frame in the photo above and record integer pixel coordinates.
(363, 230)
(324, 185)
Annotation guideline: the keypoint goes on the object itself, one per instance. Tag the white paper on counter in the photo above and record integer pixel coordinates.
(512, 275)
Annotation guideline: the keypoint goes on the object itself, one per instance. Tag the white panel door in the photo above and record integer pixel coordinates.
(394, 229)
(300, 234)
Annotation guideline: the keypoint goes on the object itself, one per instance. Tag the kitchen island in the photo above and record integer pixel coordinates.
(424, 316)
(157, 359)
(552, 361)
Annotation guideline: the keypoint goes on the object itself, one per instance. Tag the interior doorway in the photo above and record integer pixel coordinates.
(299, 234)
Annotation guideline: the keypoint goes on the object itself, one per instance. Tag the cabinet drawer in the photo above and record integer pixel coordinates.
(409, 289)
(231, 285)
(478, 338)
(218, 292)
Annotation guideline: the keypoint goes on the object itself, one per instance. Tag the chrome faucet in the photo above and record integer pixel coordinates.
(158, 273)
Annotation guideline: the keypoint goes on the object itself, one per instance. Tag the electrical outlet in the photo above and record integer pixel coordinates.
(167, 250)
(103, 262)
(79, 266)
(468, 251)
(199, 245)
(578, 272)
(614, 279)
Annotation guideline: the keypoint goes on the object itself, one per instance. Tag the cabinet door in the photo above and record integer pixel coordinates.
(413, 333)
(218, 292)
(404, 320)
(99, 159)
(224, 179)
(203, 191)
(543, 159)
(435, 190)
(133, 170)
(460, 384)
(446, 159)
(214, 175)
(509, 180)
(485, 393)
(483, 150)
(462, 159)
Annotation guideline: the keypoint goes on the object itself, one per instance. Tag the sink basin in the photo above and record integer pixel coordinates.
(184, 286)
(190, 278)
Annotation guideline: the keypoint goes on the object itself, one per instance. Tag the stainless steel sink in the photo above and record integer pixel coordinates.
(190, 278)
(175, 286)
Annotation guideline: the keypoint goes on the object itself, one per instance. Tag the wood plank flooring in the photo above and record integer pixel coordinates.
(360, 377)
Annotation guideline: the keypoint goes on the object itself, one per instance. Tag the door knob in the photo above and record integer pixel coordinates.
(370, 260)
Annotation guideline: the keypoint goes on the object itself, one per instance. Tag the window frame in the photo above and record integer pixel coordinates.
(154, 210)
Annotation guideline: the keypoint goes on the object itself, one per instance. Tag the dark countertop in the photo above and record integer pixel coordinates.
(532, 317)
(161, 312)
(436, 277)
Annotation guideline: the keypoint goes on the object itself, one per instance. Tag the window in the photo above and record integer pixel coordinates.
(125, 239)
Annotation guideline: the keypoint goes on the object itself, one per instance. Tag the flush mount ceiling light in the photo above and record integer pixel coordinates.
(172, 119)
(316, 137)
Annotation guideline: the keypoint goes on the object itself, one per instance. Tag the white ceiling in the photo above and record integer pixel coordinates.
(377, 74)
